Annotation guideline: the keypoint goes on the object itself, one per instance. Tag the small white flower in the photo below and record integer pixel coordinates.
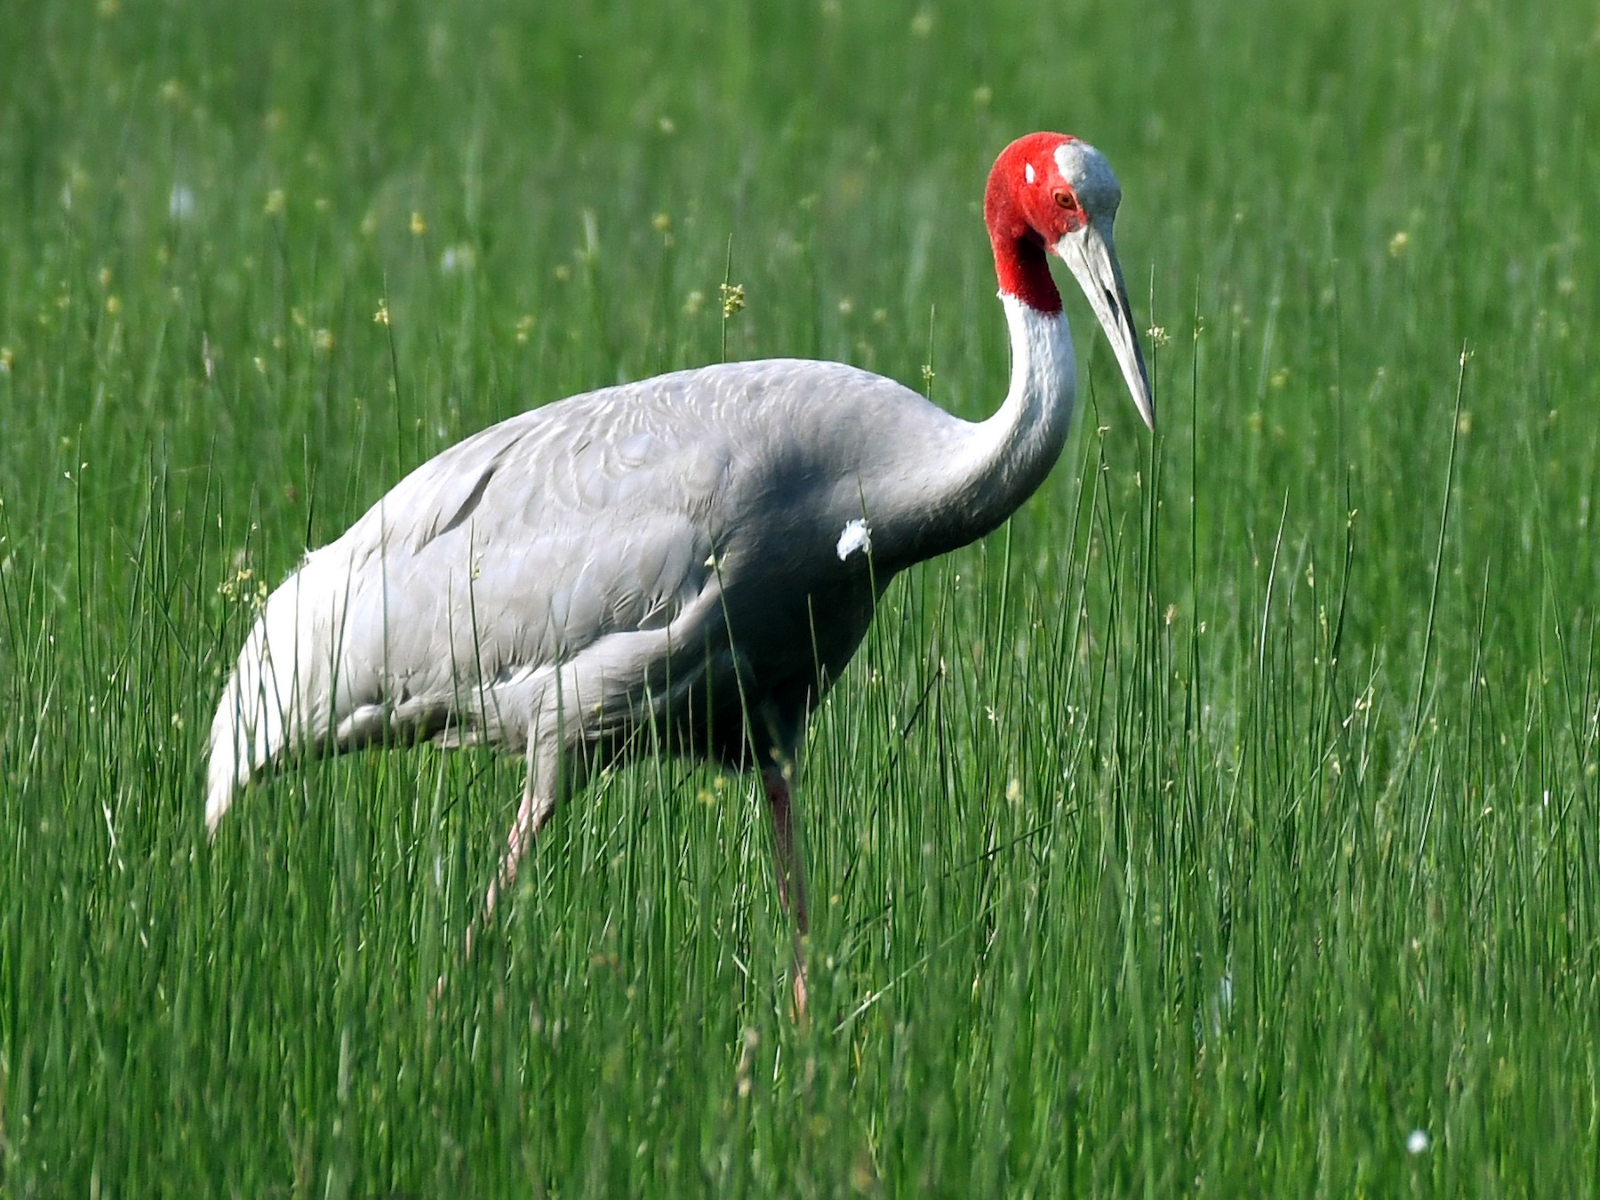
(180, 202)
(459, 257)
(855, 536)
(1418, 1142)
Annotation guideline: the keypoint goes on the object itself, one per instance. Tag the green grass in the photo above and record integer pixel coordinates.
(1224, 819)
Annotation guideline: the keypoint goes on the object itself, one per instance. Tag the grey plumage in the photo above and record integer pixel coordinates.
(700, 552)
(622, 534)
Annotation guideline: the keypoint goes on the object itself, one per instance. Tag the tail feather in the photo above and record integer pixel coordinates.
(281, 693)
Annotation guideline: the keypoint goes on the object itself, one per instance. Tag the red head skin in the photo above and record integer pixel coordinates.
(1025, 218)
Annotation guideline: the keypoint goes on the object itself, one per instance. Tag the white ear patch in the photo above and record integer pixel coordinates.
(1086, 169)
(1027, 172)
(854, 537)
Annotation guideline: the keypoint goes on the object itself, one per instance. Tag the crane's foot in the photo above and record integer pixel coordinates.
(798, 1012)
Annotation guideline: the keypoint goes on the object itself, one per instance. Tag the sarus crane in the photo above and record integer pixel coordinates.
(688, 561)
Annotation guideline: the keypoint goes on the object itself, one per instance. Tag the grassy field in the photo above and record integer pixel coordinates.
(1226, 825)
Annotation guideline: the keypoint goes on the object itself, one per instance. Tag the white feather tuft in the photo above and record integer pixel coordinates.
(853, 537)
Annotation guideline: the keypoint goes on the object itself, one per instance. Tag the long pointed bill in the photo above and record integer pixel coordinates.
(1093, 260)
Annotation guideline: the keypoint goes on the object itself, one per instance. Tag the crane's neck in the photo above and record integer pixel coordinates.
(1008, 456)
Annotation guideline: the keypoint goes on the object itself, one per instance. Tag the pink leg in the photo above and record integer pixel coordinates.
(791, 875)
(533, 814)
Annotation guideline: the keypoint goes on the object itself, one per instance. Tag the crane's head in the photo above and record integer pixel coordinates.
(1050, 193)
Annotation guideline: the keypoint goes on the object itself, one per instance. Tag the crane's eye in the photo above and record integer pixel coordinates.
(1067, 200)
